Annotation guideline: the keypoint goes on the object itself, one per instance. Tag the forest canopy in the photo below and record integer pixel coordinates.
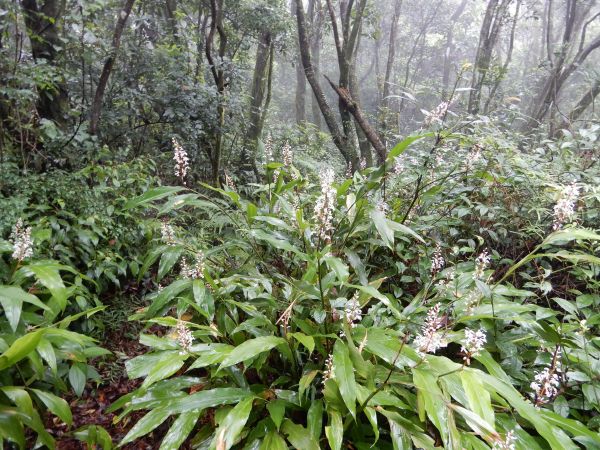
(273, 224)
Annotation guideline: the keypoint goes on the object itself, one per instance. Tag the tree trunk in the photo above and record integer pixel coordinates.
(488, 37)
(449, 52)
(338, 138)
(257, 101)
(300, 98)
(108, 66)
(584, 103)
(42, 27)
(316, 21)
(385, 101)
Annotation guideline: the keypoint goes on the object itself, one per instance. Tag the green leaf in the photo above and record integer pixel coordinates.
(164, 369)
(93, 435)
(151, 195)
(168, 259)
(233, 424)
(56, 405)
(145, 425)
(401, 146)
(203, 299)
(47, 273)
(21, 348)
(344, 375)
(179, 430)
(314, 419)
(276, 410)
(12, 306)
(307, 341)
(250, 349)
(306, 380)
(434, 401)
(383, 228)
(298, 436)
(78, 377)
(335, 430)
(273, 441)
(479, 399)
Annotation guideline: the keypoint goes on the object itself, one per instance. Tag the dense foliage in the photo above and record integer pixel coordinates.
(268, 224)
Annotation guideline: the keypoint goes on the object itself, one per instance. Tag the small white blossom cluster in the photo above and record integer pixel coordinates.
(325, 204)
(474, 343)
(564, 210)
(430, 338)
(398, 166)
(184, 337)
(481, 263)
(22, 242)
(229, 182)
(474, 156)
(545, 385)
(352, 310)
(362, 164)
(328, 372)
(182, 162)
(349, 170)
(437, 114)
(383, 206)
(287, 154)
(193, 272)
(268, 149)
(167, 233)
(508, 443)
(437, 261)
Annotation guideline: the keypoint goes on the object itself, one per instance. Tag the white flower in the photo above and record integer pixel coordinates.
(193, 272)
(22, 242)
(328, 372)
(564, 210)
(167, 233)
(349, 170)
(545, 385)
(362, 164)
(507, 444)
(437, 261)
(437, 114)
(287, 155)
(481, 263)
(184, 337)
(325, 204)
(268, 149)
(474, 156)
(383, 206)
(352, 310)
(474, 343)
(398, 166)
(182, 162)
(430, 338)
(229, 182)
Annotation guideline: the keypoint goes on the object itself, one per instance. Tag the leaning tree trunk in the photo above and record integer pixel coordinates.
(108, 66)
(42, 26)
(584, 103)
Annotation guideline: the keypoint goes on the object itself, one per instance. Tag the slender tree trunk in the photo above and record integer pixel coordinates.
(488, 37)
(108, 66)
(384, 109)
(300, 100)
(584, 103)
(449, 52)
(42, 27)
(170, 10)
(316, 21)
(260, 81)
(339, 139)
(504, 69)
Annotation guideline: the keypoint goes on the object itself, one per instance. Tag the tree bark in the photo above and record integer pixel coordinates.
(42, 27)
(338, 137)
(488, 37)
(385, 100)
(448, 53)
(260, 84)
(316, 22)
(108, 66)
(584, 103)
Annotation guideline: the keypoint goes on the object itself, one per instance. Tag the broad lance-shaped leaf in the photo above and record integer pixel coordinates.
(344, 375)
(383, 228)
(56, 405)
(180, 430)
(298, 436)
(151, 195)
(233, 424)
(433, 401)
(21, 348)
(250, 349)
(335, 430)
